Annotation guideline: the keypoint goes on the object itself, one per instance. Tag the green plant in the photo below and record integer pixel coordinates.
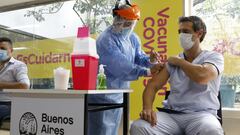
(231, 80)
(94, 13)
(98, 12)
(47, 9)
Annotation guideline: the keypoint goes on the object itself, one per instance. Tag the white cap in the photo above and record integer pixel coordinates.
(101, 69)
(84, 44)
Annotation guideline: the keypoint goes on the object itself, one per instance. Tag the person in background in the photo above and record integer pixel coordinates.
(119, 49)
(13, 74)
(194, 78)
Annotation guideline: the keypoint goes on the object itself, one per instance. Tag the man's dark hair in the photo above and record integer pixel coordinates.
(5, 39)
(197, 22)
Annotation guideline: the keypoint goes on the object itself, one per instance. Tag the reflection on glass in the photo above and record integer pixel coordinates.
(222, 19)
(43, 36)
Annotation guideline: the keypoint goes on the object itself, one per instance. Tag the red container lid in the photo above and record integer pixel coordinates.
(83, 32)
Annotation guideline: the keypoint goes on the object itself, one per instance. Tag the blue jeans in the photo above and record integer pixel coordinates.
(104, 122)
(4, 112)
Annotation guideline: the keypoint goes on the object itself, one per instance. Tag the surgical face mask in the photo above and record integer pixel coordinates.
(3, 55)
(128, 27)
(186, 41)
(126, 31)
(123, 26)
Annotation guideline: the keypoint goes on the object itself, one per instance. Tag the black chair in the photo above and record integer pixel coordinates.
(219, 112)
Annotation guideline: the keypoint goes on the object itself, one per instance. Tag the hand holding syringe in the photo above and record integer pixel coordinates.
(155, 57)
(158, 66)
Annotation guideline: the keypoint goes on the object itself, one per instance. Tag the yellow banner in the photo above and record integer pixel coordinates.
(231, 64)
(42, 56)
(157, 29)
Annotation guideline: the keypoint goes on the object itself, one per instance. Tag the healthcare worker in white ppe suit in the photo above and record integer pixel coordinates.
(119, 48)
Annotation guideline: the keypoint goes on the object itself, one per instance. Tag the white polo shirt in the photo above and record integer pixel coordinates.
(14, 71)
(189, 96)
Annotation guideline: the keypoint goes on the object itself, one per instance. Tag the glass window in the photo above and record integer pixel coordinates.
(222, 19)
(44, 35)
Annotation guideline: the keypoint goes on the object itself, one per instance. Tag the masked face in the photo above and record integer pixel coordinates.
(186, 40)
(128, 27)
(3, 55)
(123, 26)
(126, 31)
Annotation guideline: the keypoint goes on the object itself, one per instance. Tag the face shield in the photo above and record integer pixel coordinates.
(128, 12)
(123, 26)
(128, 26)
(125, 18)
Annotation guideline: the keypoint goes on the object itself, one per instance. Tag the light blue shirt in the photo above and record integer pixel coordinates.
(189, 96)
(14, 71)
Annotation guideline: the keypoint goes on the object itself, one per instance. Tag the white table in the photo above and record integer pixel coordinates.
(59, 111)
(231, 120)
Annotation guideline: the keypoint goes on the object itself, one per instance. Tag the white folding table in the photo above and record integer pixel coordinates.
(49, 111)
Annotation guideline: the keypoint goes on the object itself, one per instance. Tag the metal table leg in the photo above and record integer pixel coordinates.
(85, 114)
(125, 113)
(125, 106)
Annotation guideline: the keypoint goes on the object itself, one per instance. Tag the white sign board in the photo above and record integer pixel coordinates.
(47, 116)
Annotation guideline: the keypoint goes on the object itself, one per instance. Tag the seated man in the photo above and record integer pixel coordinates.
(194, 77)
(13, 74)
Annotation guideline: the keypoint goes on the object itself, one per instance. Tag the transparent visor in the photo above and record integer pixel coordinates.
(129, 24)
(121, 24)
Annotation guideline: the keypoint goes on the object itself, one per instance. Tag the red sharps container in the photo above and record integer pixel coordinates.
(84, 60)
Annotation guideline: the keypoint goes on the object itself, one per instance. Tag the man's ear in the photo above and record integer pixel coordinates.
(200, 33)
(11, 50)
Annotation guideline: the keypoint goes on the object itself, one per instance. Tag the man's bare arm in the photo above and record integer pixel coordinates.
(201, 74)
(153, 86)
(13, 85)
(156, 83)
